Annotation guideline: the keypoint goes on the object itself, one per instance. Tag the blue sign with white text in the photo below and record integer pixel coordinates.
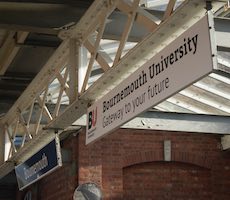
(39, 165)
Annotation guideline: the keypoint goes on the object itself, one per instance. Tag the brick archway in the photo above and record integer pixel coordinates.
(201, 159)
(166, 180)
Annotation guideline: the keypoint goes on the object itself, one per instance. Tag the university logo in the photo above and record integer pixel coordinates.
(92, 118)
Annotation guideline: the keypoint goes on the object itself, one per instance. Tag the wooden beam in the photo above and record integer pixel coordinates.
(9, 49)
(31, 29)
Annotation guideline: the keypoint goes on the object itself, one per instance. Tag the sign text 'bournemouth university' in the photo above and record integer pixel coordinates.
(182, 62)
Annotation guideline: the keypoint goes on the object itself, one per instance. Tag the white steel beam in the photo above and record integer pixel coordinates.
(74, 51)
(180, 21)
(56, 70)
(194, 106)
(169, 9)
(222, 33)
(125, 34)
(179, 122)
(29, 149)
(210, 99)
(45, 76)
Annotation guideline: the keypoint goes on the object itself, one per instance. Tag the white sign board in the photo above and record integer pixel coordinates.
(182, 62)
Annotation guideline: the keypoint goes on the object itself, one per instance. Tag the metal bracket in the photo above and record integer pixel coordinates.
(208, 5)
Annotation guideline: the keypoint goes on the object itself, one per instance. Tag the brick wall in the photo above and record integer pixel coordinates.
(60, 185)
(115, 157)
(166, 180)
(130, 160)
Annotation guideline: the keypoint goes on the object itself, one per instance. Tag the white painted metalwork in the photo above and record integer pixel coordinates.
(87, 65)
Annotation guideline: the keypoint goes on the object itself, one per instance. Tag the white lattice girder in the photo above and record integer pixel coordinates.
(37, 92)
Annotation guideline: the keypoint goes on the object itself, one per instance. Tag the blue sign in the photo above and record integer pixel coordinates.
(40, 164)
